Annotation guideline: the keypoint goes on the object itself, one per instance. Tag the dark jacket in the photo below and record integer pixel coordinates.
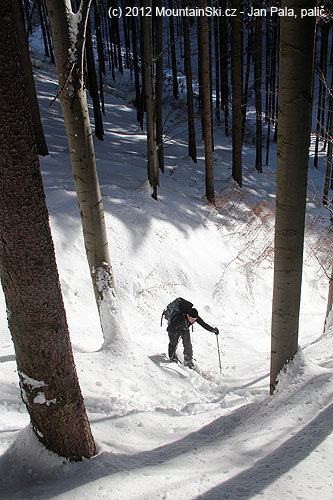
(180, 324)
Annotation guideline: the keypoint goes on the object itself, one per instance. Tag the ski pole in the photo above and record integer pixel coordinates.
(218, 350)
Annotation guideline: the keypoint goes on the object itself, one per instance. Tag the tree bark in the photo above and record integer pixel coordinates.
(150, 103)
(173, 54)
(48, 34)
(329, 155)
(217, 68)
(69, 61)
(321, 99)
(29, 276)
(192, 149)
(224, 66)
(100, 50)
(258, 85)
(236, 78)
(159, 87)
(138, 101)
(29, 79)
(329, 299)
(93, 85)
(206, 104)
(295, 101)
(249, 56)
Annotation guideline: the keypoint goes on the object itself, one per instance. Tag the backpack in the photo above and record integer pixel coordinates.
(177, 305)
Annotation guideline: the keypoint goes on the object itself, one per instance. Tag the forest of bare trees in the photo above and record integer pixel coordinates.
(277, 64)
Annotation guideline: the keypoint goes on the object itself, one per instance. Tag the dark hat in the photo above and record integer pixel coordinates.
(193, 313)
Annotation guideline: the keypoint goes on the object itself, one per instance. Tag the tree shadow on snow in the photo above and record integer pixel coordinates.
(265, 471)
(245, 484)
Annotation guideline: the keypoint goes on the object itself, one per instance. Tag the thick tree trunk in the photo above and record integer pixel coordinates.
(206, 104)
(29, 277)
(295, 91)
(29, 79)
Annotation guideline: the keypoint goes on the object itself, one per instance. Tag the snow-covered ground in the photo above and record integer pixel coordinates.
(164, 432)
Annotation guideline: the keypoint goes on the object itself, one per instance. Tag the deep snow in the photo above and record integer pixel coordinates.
(164, 432)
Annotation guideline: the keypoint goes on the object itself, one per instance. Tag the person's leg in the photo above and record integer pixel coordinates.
(173, 342)
(188, 351)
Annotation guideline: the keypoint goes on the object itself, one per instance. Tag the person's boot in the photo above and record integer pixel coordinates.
(189, 363)
(174, 359)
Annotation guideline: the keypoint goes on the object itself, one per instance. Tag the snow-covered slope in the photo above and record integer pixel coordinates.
(162, 431)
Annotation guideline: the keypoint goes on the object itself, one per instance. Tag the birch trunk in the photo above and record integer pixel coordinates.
(68, 31)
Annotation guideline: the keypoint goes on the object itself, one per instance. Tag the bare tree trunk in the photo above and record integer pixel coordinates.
(29, 276)
(173, 54)
(138, 101)
(29, 79)
(81, 147)
(100, 51)
(224, 66)
(48, 34)
(126, 38)
(329, 299)
(142, 56)
(249, 56)
(117, 42)
(159, 87)
(41, 20)
(295, 101)
(217, 68)
(93, 85)
(257, 85)
(236, 77)
(270, 61)
(210, 65)
(329, 155)
(150, 103)
(192, 149)
(321, 98)
(206, 104)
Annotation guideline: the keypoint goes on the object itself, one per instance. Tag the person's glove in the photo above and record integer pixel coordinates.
(216, 331)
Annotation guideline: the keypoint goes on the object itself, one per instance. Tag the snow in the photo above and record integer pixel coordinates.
(162, 431)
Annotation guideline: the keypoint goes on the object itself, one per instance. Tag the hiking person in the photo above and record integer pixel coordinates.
(181, 316)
